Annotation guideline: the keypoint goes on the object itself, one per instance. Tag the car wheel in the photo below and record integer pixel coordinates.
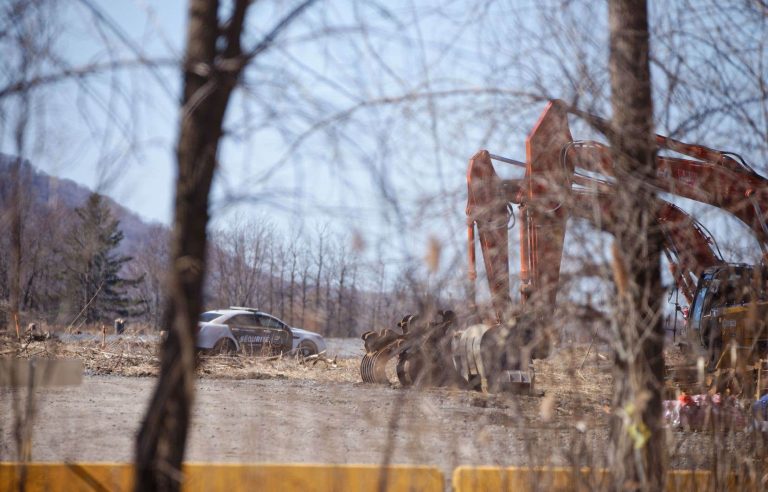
(224, 347)
(307, 348)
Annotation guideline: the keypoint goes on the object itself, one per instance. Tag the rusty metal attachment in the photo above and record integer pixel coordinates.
(437, 353)
(380, 348)
(495, 359)
(422, 348)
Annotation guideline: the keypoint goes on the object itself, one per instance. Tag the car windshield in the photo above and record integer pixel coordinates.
(209, 316)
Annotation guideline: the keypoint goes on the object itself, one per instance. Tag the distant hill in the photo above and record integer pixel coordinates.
(47, 190)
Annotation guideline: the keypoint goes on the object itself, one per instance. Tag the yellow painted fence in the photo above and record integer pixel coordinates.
(476, 479)
(91, 477)
(99, 477)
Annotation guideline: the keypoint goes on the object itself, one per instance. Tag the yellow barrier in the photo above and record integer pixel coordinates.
(55, 477)
(99, 477)
(496, 479)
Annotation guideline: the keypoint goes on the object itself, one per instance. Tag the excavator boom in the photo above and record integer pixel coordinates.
(714, 177)
(688, 247)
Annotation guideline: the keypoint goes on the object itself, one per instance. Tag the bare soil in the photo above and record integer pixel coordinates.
(256, 409)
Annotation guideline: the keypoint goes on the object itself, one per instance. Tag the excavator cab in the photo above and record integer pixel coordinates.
(728, 314)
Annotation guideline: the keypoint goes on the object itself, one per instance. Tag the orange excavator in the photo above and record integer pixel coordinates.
(728, 301)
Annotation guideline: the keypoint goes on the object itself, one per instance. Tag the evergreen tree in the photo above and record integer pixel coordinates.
(92, 266)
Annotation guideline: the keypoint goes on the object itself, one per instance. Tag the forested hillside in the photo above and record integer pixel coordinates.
(315, 280)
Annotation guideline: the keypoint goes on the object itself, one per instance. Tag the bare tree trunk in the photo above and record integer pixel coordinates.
(328, 311)
(207, 88)
(272, 278)
(340, 298)
(15, 256)
(351, 319)
(304, 282)
(379, 295)
(318, 276)
(213, 62)
(281, 285)
(292, 284)
(638, 437)
(16, 201)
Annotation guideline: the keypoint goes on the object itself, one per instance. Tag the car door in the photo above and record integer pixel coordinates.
(246, 330)
(280, 337)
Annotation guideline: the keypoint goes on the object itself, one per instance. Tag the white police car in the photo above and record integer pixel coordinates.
(250, 331)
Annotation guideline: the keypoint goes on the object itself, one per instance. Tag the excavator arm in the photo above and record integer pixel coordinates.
(714, 177)
(688, 247)
(552, 190)
(545, 208)
(544, 199)
(545, 205)
(487, 213)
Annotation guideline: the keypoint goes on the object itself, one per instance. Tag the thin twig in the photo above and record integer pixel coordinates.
(86, 307)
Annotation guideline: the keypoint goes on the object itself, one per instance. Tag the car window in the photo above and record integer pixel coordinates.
(270, 322)
(209, 316)
(242, 320)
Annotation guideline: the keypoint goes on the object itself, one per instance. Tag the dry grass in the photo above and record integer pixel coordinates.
(133, 356)
(572, 374)
(289, 367)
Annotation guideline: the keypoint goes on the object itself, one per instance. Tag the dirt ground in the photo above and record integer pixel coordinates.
(251, 409)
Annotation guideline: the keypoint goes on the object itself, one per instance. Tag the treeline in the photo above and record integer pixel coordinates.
(75, 270)
(312, 280)
(317, 280)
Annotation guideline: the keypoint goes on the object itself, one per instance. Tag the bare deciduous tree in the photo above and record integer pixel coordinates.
(213, 62)
(639, 446)
(237, 258)
(150, 260)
